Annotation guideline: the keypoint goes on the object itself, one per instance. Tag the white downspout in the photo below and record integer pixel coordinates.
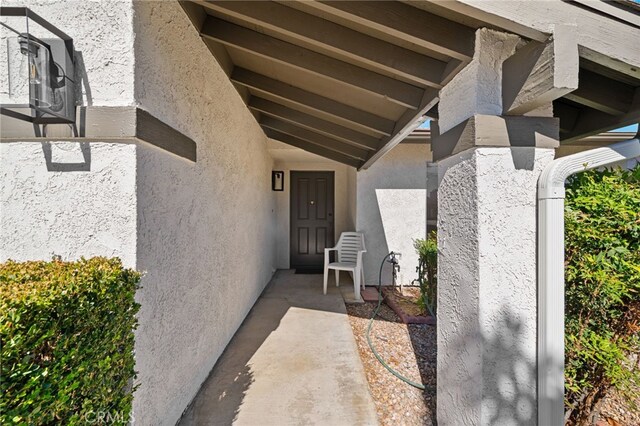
(551, 194)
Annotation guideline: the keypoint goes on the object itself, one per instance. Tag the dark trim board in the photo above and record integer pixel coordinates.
(109, 124)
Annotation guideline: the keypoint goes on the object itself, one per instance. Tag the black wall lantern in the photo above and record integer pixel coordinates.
(37, 77)
(277, 180)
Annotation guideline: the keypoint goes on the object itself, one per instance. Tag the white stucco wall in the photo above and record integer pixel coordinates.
(283, 202)
(68, 205)
(102, 32)
(50, 205)
(487, 286)
(391, 209)
(203, 232)
(352, 194)
(206, 230)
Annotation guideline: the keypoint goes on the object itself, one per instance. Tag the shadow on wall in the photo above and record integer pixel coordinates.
(82, 80)
(68, 151)
(401, 218)
(505, 370)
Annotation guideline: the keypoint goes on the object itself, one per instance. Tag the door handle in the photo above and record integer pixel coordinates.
(312, 202)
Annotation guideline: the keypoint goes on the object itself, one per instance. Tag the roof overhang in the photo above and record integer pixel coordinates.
(350, 80)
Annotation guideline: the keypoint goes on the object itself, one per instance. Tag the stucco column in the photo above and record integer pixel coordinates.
(488, 168)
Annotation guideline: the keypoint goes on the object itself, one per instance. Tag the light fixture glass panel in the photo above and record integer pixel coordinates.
(36, 64)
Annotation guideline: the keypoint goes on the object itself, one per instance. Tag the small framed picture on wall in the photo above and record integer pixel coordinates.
(277, 180)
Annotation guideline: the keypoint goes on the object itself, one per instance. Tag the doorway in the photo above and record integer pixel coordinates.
(312, 219)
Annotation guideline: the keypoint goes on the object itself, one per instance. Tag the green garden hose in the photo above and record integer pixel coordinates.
(368, 333)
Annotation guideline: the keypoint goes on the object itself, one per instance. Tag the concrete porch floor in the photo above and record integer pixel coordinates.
(293, 361)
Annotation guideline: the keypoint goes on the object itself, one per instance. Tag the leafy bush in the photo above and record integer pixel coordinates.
(67, 341)
(602, 273)
(427, 250)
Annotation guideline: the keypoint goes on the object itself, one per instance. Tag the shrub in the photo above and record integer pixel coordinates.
(602, 274)
(427, 250)
(67, 341)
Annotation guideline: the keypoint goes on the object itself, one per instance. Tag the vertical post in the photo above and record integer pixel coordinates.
(489, 161)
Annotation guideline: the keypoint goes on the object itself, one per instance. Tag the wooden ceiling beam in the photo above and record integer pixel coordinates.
(404, 22)
(589, 121)
(335, 40)
(313, 137)
(288, 54)
(539, 73)
(408, 122)
(603, 94)
(314, 123)
(339, 112)
(312, 148)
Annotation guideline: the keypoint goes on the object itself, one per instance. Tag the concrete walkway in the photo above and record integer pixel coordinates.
(294, 361)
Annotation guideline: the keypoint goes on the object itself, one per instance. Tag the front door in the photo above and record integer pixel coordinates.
(311, 218)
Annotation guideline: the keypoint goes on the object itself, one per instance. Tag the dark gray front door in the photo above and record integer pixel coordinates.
(311, 218)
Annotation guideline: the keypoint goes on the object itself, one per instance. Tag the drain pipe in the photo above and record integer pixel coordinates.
(551, 194)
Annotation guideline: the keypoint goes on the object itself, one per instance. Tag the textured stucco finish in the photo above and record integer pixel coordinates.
(203, 232)
(487, 286)
(392, 210)
(82, 206)
(206, 230)
(477, 89)
(65, 211)
(102, 33)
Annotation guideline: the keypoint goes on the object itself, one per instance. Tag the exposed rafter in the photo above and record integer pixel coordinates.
(313, 137)
(349, 80)
(539, 73)
(405, 125)
(328, 108)
(321, 65)
(313, 123)
(309, 147)
(602, 93)
(402, 22)
(333, 39)
(579, 122)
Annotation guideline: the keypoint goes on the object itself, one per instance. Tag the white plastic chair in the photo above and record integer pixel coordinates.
(350, 248)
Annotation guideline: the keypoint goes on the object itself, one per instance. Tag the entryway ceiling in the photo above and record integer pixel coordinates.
(349, 80)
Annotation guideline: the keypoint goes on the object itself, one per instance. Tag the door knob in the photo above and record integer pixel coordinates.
(313, 202)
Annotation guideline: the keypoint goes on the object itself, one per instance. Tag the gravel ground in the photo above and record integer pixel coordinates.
(409, 349)
(615, 409)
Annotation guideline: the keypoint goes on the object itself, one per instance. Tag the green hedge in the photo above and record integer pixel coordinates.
(602, 274)
(67, 341)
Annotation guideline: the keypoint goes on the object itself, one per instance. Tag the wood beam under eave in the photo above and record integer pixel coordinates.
(603, 94)
(314, 123)
(289, 54)
(590, 121)
(404, 22)
(313, 137)
(336, 40)
(405, 125)
(197, 16)
(309, 147)
(539, 73)
(338, 111)
(568, 115)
